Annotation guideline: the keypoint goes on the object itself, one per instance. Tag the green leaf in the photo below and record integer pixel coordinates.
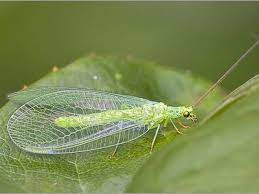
(96, 171)
(219, 156)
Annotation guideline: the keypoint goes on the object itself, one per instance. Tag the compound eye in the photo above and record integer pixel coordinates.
(186, 114)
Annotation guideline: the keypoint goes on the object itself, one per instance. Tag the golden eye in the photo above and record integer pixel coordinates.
(186, 114)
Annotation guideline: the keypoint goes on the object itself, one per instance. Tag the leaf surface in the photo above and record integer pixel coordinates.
(96, 171)
(221, 155)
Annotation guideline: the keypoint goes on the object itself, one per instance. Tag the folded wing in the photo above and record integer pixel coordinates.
(32, 126)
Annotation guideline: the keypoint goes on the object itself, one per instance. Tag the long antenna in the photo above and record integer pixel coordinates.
(198, 101)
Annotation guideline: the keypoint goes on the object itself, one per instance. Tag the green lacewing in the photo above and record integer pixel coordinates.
(69, 120)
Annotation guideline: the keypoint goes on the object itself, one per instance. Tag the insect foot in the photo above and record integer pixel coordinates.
(182, 125)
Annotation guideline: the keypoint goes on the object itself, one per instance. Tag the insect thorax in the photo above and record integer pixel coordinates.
(159, 112)
(155, 113)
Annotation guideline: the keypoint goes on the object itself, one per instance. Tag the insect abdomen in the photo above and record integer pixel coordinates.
(146, 112)
(97, 118)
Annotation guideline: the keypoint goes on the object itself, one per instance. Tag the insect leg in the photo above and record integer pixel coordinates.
(154, 139)
(182, 125)
(166, 122)
(177, 130)
(116, 148)
(114, 151)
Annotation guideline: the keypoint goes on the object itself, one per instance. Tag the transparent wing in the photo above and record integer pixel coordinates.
(111, 135)
(26, 95)
(32, 127)
(30, 94)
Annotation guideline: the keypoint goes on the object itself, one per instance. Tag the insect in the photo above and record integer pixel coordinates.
(69, 120)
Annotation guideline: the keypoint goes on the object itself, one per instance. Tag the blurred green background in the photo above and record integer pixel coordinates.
(203, 37)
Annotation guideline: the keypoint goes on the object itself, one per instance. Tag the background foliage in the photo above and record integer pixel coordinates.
(191, 40)
(219, 156)
(203, 37)
(96, 171)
